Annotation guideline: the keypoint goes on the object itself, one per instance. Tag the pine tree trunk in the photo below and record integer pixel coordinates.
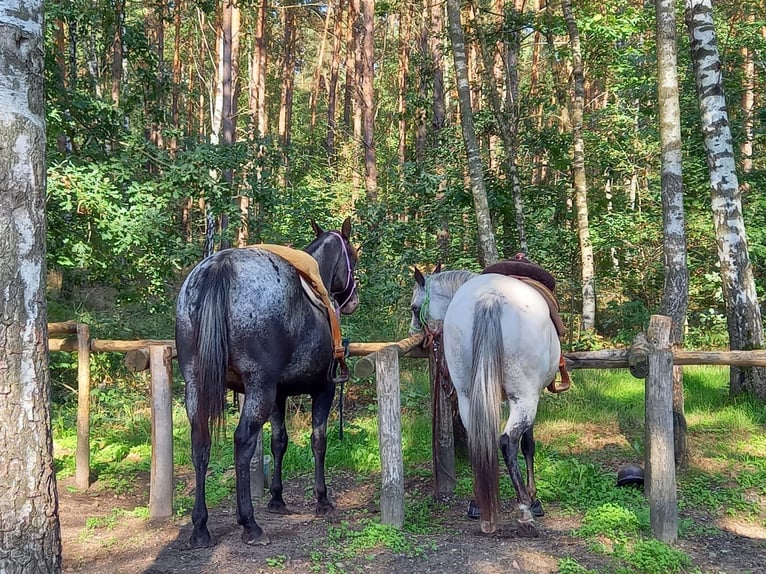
(487, 248)
(318, 71)
(257, 81)
(117, 55)
(332, 87)
(405, 29)
(578, 169)
(439, 116)
(743, 316)
(424, 71)
(30, 540)
(675, 295)
(176, 88)
(288, 83)
(368, 100)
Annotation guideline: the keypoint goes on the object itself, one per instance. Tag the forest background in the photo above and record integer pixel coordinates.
(178, 128)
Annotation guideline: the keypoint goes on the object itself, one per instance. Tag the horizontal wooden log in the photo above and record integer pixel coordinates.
(602, 359)
(65, 328)
(366, 365)
(738, 358)
(618, 358)
(137, 361)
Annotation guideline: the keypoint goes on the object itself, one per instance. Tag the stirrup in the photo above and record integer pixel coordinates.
(342, 375)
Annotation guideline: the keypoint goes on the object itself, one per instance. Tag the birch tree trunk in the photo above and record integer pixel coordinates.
(675, 295)
(743, 316)
(578, 169)
(485, 233)
(505, 114)
(30, 540)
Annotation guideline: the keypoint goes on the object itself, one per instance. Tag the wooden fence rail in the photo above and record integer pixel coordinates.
(650, 359)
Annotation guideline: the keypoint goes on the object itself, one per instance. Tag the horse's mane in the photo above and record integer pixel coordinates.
(450, 281)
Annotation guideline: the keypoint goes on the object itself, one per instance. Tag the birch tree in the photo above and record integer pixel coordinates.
(30, 541)
(743, 316)
(675, 296)
(485, 234)
(578, 173)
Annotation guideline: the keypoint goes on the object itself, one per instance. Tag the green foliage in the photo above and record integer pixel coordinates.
(654, 557)
(571, 566)
(611, 520)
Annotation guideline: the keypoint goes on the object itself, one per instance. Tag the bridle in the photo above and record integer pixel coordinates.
(348, 290)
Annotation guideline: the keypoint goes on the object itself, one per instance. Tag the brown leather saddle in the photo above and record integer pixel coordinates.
(308, 269)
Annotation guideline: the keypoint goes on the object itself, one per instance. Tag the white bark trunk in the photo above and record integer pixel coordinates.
(742, 312)
(29, 528)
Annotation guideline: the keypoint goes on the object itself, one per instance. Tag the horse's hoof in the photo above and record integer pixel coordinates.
(537, 508)
(278, 507)
(527, 529)
(474, 512)
(324, 509)
(488, 527)
(200, 539)
(255, 537)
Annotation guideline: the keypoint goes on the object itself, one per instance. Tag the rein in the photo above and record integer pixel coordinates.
(350, 286)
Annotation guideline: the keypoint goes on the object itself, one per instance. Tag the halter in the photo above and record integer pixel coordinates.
(350, 286)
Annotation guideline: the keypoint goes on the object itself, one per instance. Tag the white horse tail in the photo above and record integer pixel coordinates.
(213, 340)
(485, 400)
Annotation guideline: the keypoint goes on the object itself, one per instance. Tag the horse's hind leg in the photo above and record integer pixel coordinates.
(278, 448)
(255, 412)
(200, 438)
(528, 450)
(509, 446)
(320, 409)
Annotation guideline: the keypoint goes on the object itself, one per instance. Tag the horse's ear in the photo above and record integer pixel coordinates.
(438, 268)
(315, 226)
(419, 279)
(345, 229)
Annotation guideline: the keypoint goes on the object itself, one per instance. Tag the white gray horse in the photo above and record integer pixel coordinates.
(499, 342)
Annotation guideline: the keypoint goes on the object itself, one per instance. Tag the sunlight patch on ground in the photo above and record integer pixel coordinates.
(742, 528)
(580, 437)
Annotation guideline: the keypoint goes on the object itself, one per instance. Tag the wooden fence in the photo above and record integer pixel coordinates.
(651, 358)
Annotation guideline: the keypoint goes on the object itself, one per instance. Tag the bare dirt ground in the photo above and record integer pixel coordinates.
(97, 540)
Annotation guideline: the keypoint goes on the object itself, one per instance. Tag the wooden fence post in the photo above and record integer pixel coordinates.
(82, 452)
(161, 482)
(660, 480)
(390, 437)
(442, 431)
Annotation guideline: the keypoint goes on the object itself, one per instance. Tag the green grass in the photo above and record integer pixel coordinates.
(583, 437)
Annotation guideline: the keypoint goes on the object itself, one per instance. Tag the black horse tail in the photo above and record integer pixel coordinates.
(213, 340)
(485, 400)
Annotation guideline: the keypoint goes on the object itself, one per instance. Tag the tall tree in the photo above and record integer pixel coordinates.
(587, 271)
(743, 315)
(30, 540)
(368, 100)
(675, 295)
(485, 233)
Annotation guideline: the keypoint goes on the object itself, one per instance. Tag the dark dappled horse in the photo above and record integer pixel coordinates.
(498, 340)
(244, 319)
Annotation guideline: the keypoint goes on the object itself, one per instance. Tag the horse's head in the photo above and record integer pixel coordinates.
(420, 303)
(338, 259)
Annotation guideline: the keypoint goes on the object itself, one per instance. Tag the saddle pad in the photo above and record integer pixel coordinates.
(308, 270)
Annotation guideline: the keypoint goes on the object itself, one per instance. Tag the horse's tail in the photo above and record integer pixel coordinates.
(485, 401)
(213, 340)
